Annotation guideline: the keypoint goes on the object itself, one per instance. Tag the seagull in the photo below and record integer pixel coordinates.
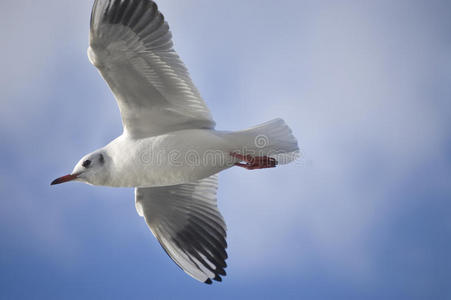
(169, 151)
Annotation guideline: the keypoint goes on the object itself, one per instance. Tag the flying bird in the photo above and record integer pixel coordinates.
(169, 150)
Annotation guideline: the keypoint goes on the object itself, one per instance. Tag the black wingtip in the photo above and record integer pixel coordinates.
(208, 281)
(221, 272)
(217, 278)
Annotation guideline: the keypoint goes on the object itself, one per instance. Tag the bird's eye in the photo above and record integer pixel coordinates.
(86, 163)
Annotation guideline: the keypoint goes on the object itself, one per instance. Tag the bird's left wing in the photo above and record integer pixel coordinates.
(186, 221)
(131, 45)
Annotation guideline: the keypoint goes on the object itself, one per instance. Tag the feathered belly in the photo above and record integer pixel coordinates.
(171, 159)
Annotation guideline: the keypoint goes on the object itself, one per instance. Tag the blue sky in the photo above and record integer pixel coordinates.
(364, 214)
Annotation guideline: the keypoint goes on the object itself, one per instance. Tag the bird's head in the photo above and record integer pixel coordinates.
(91, 169)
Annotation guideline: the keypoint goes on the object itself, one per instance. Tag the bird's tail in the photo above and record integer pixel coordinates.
(273, 138)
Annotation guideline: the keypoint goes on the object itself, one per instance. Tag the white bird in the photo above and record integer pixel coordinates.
(169, 150)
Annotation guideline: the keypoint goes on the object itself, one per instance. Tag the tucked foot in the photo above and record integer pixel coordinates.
(254, 162)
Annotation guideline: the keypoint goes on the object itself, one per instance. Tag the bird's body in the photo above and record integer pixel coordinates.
(169, 159)
(169, 150)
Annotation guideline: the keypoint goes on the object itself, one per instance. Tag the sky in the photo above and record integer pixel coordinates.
(363, 214)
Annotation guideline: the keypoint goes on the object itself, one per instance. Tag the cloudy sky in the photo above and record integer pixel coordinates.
(364, 214)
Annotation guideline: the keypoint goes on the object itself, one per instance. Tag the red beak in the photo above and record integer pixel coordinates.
(64, 179)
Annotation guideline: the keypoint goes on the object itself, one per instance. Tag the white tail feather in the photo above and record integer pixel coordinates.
(273, 138)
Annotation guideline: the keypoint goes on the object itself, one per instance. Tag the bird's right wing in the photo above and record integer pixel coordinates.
(186, 221)
(131, 45)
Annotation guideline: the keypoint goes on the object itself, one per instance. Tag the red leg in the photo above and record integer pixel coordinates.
(255, 162)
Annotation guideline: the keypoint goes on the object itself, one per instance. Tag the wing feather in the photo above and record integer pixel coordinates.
(131, 45)
(186, 221)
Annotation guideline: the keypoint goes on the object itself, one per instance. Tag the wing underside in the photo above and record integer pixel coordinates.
(186, 221)
(131, 45)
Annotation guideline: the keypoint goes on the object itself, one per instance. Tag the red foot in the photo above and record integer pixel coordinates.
(255, 162)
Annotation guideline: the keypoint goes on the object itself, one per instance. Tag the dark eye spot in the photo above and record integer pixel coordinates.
(101, 159)
(86, 163)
